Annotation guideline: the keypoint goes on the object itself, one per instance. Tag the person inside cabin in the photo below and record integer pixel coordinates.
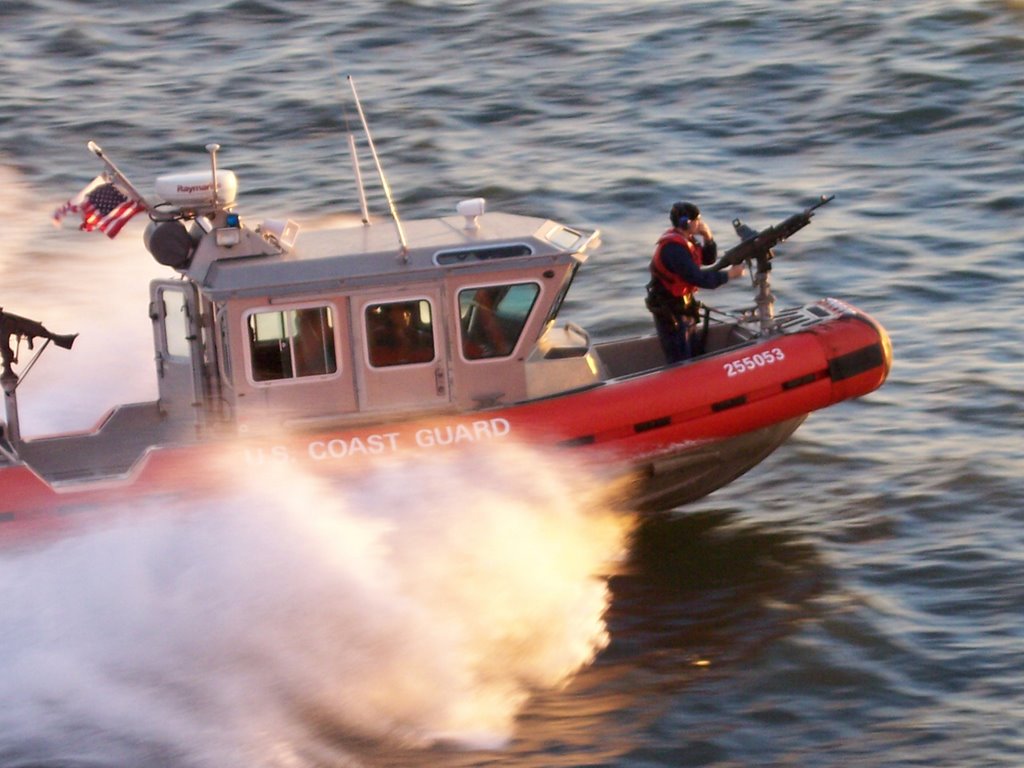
(314, 342)
(676, 275)
(395, 337)
(490, 341)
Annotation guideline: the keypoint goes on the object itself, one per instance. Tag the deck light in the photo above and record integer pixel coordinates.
(472, 209)
(283, 233)
(228, 236)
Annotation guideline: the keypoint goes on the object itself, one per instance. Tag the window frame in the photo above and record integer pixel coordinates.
(462, 340)
(286, 311)
(368, 331)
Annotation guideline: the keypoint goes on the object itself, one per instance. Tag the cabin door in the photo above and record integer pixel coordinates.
(404, 350)
(177, 338)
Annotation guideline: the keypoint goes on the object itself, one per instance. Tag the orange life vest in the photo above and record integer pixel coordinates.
(669, 280)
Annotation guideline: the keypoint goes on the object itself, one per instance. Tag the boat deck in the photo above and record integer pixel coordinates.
(110, 451)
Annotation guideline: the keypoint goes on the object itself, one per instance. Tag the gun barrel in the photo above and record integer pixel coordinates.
(821, 201)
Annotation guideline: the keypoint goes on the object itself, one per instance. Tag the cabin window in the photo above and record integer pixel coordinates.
(292, 343)
(176, 324)
(492, 318)
(400, 333)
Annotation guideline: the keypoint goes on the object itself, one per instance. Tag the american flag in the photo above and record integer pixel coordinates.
(103, 206)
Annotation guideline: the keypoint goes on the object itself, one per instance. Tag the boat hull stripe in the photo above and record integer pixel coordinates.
(646, 426)
(800, 381)
(855, 363)
(578, 441)
(732, 402)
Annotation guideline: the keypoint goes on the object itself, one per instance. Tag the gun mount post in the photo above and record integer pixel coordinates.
(764, 299)
(9, 380)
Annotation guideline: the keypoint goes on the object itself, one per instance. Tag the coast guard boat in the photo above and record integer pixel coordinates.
(339, 346)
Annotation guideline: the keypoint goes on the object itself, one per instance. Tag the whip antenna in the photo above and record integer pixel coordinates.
(356, 169)
(380, 173)
(353, 154)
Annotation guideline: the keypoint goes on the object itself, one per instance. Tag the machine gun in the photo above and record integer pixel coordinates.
(22, 328)
(757, 246)
(18, 328)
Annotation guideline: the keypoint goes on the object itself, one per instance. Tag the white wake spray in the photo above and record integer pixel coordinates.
(424, 601)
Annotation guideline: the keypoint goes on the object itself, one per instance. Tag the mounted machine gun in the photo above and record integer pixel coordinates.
(757, 247)
(18, 328)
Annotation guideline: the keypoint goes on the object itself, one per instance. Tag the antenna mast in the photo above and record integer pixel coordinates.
(358, 173)
(404, 251)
